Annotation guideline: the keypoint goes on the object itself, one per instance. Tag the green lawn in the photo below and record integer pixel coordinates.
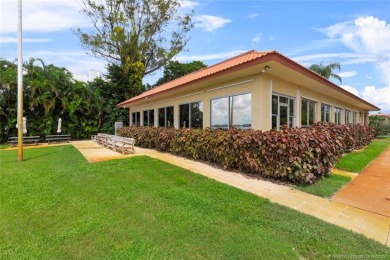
(4, 146)
(55, 205)
(358, 160)
(326, 186)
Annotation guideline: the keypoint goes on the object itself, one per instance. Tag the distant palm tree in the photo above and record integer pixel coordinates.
(326, 70)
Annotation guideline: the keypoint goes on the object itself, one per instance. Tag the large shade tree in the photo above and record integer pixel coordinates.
(326, 71)
(133, 34)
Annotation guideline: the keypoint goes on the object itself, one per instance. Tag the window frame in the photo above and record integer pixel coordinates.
(137, 121)
(337, 111)
(291, 118)
(190, 111)
(148, 115)
(230, 99)
(165, 116)
(308, 111)
(323, 116)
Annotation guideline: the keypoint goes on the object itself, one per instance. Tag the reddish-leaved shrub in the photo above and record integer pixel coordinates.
(292, 154)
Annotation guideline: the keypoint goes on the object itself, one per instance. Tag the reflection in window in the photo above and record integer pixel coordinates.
(191, 115)
(325, 112)
(347, 113)
(148, 117)
(232, 111)
(337, 115)
(354, 117)
(282, 111)
(135, 118)
(165, 117)
(308, 112)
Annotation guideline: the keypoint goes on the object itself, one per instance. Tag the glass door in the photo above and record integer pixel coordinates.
(283, 115)
(282, 111)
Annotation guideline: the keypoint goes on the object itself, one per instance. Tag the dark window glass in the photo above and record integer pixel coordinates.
(136, 117)
(161, 117)
(184, 115)
(151, 117)
(169, 117)
(308, 110)
(325, 112)
(146, 118)
(197, 115)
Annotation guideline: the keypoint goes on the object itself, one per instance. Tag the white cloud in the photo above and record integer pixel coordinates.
(206, 57)
(187, 4)
(257, 38)
(77, 62)
(25, 40)
(378, 97)
(271, 38)
(368, 36)
(351, 90)
(344, 58)
(364, 34)
(253, 16)
(347, 74)
(42, 15)
(210, 23)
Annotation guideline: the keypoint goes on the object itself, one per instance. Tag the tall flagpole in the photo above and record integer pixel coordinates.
(20, 85)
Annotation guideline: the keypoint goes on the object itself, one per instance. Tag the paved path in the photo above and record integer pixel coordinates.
(372, 225)
(370, 190)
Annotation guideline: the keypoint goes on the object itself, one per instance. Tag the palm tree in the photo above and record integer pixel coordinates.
(326, 70)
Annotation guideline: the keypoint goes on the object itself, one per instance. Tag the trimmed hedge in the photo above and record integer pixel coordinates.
(292, 154)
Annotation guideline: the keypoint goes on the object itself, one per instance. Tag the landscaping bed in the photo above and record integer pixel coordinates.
(295, 155)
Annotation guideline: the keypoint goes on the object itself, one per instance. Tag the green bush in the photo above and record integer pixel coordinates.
(380, 124)
(292, 154)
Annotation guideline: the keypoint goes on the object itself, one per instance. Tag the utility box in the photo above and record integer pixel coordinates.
(118, 125)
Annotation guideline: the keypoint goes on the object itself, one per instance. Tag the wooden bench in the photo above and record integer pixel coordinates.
(116, 143)
(57, 138)
(26, 140)
(124, 144)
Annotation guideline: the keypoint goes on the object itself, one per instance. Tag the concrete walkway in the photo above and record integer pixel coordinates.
(370, 190)
(372, 225)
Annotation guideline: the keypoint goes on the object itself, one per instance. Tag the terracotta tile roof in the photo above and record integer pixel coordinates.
(246, 58)
(219, 67)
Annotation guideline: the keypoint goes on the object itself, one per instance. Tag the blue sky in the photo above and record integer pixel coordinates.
(353, 33)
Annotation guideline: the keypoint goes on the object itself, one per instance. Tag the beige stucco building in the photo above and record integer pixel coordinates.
(259, 90)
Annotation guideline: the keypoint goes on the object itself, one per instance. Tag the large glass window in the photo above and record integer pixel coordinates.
(148, 117)
(325, 113)
(354, 117)
(347, 113)
(282, 111)
(337, 115)
(232, 111)
(191, 115)
(165, 117)
(308, 112)
(136, 118)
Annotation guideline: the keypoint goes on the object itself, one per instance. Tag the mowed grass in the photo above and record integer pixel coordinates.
(55, 205)
(356, 161)
(326, 186)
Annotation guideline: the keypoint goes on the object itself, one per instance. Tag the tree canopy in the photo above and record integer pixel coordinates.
(175, 69)
(49, 93)
(131, 31)
(326, 71)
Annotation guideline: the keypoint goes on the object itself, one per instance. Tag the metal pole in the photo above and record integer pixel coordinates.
(20, 85)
